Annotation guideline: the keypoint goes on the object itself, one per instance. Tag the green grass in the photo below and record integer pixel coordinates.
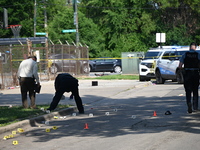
(115, 77)
(9, 115)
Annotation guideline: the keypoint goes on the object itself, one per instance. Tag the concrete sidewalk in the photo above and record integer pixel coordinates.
(89, 94)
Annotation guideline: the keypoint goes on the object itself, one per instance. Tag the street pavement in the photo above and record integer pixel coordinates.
(119, 115)
(89, 94)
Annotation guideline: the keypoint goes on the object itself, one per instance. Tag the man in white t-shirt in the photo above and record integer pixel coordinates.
(27, 74)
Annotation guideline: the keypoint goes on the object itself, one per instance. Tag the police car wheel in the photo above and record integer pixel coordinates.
(54, 69)
(141, 78)
(159, 79)
(147, 79)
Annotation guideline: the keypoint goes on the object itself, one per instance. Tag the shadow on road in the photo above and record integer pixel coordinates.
(121, 117)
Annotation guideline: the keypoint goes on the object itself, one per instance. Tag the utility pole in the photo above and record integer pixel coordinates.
(77, 33)
(76, 22)
(35, 12)
(45, 18)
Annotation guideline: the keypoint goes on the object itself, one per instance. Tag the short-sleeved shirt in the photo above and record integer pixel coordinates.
(183, 56)
(65, 82)
(28, 68)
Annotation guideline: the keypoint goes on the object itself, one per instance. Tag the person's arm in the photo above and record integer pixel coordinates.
(18, 72)
(181, 61)
(180, 66)
(35, 73)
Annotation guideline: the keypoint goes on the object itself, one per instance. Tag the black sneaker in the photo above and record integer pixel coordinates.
(195, 110)
(189, 110)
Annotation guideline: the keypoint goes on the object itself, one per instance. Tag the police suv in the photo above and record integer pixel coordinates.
(147, 65)
(167, 64)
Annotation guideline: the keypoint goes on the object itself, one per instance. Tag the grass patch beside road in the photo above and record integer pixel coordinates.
(9, 115)
(115, 77)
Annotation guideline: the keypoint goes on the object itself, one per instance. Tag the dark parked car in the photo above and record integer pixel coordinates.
(106, 65)
(67, 62)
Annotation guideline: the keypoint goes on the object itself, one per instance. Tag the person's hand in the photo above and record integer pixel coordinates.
(38, 84)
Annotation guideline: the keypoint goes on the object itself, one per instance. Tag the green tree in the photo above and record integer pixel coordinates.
(22, 13)
(48, 9)
(179, 20)
(89, 33)
(124, 24)
(18, 14)
(109, 27)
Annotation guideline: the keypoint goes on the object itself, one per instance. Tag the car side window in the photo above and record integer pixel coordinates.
(172, 55)
(65, 56)
(99, 60)
(109, 60)
(180, 53)
(166, 55)
(57, 56)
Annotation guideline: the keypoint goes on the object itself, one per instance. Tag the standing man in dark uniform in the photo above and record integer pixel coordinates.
(191, 61)
(64, 82)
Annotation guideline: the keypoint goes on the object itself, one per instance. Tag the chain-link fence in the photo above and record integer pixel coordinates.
(52, 59)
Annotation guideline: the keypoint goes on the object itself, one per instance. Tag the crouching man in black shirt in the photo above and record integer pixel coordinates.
(64, 82)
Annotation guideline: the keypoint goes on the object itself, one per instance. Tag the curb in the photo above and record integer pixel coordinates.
(34, 121)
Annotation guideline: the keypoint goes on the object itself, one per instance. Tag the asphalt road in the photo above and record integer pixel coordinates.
(121, 115)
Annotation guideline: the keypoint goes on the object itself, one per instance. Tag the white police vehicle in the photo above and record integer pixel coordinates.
(167, 64)
(147, 65)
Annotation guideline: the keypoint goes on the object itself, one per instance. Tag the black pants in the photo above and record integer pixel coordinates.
(27, 86)
(191, 84)
(58, 95)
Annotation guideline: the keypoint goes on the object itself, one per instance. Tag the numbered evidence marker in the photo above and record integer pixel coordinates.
(5, 137)
(73, 114)
(10, 136)
(54, 127)
(20, 130)
(15, 142)
(115, 109)
(14, 132)
(55, 117)
(91, 115)
(46, 122)
(107, 113)
(48, 130)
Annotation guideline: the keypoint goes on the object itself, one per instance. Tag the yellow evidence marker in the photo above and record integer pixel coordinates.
(14, 132)
(54, 127)
(55, 117)
(15, 142)
(20, 130)
(5, 137)
(48, 130)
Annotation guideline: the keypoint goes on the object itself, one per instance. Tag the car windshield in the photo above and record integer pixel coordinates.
(151, 55)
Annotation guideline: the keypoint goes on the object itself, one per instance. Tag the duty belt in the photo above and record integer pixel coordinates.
(27, 77)
(191, 69)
